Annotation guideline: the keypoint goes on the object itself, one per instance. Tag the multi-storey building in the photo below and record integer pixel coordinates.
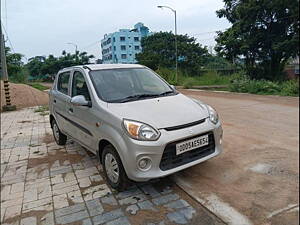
(122, 46)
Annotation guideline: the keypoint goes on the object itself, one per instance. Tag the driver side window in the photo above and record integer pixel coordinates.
(79, 86)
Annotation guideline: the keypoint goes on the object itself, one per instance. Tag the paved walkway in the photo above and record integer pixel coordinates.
(43, 183)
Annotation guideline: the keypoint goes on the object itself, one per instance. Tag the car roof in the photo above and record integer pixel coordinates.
(104, 66)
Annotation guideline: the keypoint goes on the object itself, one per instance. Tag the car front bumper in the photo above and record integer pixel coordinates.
(153, 150)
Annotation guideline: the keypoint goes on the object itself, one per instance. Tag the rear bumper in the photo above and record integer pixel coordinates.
(153, 150)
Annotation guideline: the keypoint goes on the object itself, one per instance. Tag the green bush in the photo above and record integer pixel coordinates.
(244, 84)
(213, 78)
(167, 74)
(188, 82)
(290, 88)
(19, 77)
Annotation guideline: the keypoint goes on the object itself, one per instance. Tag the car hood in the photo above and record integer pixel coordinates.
(161, 112)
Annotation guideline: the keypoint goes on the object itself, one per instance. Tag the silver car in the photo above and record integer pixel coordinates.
(137, 124)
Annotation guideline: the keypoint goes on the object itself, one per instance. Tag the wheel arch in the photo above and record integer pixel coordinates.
(101, 145)
(51, 118)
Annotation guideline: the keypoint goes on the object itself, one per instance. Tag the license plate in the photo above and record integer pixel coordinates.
(191, 144)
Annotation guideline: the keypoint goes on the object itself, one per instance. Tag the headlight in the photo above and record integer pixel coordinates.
(140, 131)
(213, 115)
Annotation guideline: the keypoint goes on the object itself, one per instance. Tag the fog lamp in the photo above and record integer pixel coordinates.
(144, 164)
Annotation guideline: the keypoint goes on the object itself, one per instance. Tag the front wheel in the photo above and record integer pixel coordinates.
(59, 137)
(113, 169)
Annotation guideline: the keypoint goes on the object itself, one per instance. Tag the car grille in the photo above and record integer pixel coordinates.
(170, 160)
(185, 125)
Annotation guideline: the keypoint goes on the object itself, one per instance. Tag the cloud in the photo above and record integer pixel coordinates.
(44, 27)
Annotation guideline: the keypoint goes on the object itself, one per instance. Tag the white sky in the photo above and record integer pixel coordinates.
(43, 27)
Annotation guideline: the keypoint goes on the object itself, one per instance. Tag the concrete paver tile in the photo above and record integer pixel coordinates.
(30, 195)
(84, 182)
(96, 192)
(34, 204)
(29, 221)
(12, 202)
(106, 217)
(69, 210)
(86, 172)
(60, 201)
(75, 196)
(12, 211)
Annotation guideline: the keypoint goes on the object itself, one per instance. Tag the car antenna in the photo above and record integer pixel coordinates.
(86, 67)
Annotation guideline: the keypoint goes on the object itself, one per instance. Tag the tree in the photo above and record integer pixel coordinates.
(41, 65)
(159, 51)
(35, 64)
(264, 33)
(13, 61)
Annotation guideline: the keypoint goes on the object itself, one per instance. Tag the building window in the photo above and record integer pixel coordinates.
(136, 39)
(137, 47)
(123, 56)
(122, 38)
(114, 39)
(123, 47)
(114, 48)
(129, 46)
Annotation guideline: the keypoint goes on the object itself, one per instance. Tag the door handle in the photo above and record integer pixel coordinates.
(71, 110)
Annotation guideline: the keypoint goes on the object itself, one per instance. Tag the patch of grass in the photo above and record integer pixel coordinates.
(236, 82)
(211, 78)
(38, 86)
(187, 80)
(42, 109)
(34, 145)
(44, 113)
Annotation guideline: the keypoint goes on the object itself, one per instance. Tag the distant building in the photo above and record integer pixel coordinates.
(99, 61)
(123, 45)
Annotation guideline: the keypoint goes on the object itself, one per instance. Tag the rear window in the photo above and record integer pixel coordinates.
(63, 82)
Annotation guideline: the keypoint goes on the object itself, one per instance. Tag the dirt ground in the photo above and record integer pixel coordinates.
(23, 95)
(256, 179)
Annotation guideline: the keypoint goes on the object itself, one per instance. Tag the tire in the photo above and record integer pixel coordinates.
(111, 161)
(59, 137)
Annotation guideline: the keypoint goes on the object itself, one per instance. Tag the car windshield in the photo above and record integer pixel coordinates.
(130, 84)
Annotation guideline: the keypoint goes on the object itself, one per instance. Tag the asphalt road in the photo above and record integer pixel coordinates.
(256, 178)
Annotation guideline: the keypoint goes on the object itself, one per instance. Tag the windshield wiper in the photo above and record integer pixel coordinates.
(166, 93)
(141, 96)
(136, 97)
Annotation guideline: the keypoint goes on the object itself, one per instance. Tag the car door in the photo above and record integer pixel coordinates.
(81, 115)
(60, 98)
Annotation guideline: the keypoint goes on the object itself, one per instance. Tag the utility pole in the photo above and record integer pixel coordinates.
(8, 106)
(176, 50)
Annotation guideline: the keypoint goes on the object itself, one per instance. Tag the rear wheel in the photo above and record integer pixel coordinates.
(59, 137)
(113, 169)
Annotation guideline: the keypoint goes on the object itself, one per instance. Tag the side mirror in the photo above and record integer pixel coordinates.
(79, 100)
(173, 87)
